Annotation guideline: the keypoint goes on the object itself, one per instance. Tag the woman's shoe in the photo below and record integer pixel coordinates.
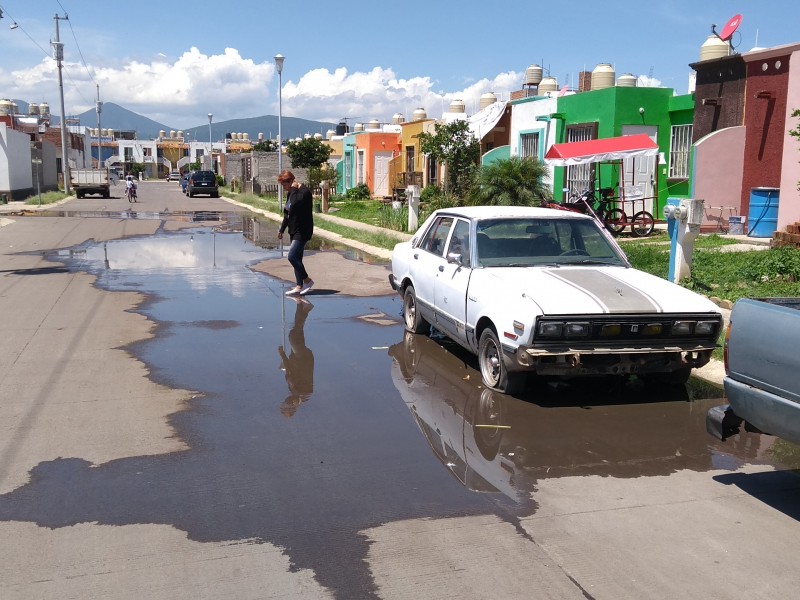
(294, 291)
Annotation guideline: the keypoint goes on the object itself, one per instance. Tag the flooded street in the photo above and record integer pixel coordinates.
(316, 426)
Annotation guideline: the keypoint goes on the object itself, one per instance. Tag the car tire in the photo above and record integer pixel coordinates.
(494, 373)
(412, 319)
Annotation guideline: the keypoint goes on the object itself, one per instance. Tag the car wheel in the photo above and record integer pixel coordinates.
(487, 427)
(414, 321)
(190, 194)
(493, 369)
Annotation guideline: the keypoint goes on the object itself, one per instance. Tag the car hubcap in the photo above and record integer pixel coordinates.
(491, 364)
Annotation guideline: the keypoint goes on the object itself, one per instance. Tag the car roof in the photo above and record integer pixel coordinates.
(499, 212)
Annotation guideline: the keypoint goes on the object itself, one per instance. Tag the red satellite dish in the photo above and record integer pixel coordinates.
(730, 27)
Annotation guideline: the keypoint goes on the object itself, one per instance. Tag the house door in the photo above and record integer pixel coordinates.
(380, 172)
(638, 174)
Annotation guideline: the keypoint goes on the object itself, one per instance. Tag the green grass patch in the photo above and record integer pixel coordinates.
(47, 198)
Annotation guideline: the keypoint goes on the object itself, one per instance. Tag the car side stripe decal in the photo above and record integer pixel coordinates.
(611, 294)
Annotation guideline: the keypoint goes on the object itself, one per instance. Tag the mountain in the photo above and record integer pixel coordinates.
(121, 119)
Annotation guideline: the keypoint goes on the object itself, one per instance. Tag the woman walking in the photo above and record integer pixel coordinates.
(298, 219)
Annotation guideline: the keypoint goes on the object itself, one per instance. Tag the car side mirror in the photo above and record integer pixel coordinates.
(455, 258)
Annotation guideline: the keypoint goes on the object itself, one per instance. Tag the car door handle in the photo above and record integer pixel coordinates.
(416, 257)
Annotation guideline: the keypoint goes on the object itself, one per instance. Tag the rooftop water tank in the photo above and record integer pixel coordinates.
(419, 114)
(358, 127)
(180, 134)
(603, 76)
(104, 132)
(317, 136)
(533, 75)
(306, 136)
(33, 108)
(5, 107)
(44, 109)
(260, 137)
(487, 99)
(374, 124)
(548, 84)
(330, 133)
(714, 47)
(398, 118)
(627, 80)
(162, 133)
(457, 106)
(246, 136)
(111, 133)
(172, 133)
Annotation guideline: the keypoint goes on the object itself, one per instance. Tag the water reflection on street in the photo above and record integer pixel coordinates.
(491, 442)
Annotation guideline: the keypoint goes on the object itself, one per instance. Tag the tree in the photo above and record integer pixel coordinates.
(265, 146)
(308, 153)
(513, 182)
(454, 145)
(795, 133)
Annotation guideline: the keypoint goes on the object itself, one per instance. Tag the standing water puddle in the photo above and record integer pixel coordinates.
(306, 428)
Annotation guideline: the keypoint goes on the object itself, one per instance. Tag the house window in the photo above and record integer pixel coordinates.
(680, 146)
(529, 145)
(409, 159)
(433, 170)
(348, 166)
(360, 158)
(128, 154)
(580, 177)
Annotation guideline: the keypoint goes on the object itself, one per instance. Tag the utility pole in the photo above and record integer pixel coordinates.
(99, 106)
(58, 53)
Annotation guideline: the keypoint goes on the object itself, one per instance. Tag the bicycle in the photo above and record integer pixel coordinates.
(613, 218)
(131, 193)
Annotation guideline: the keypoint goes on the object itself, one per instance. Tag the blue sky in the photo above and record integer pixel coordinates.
(177, 61)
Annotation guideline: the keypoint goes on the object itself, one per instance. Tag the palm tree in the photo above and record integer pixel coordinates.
(513, 182)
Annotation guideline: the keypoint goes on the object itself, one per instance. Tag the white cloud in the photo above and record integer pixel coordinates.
(180, 92)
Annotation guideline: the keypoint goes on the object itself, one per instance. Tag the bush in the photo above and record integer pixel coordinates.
(360, 192)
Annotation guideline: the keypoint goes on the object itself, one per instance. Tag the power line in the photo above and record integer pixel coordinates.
(16, 25)
(80, 53)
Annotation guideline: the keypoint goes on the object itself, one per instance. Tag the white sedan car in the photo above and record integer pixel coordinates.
(536, 290)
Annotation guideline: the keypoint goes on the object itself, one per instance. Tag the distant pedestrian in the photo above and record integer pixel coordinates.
(298, 219)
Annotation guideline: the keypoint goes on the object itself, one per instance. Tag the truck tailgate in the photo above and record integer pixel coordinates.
(762, 349)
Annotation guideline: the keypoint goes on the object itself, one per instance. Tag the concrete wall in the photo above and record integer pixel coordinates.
(789, 207)
(718, 164)
(16, 173)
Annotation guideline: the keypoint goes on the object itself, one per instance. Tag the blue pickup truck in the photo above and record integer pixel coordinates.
(762, 384)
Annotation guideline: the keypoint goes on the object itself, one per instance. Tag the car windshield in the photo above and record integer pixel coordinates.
(204, 176)
(530, 241)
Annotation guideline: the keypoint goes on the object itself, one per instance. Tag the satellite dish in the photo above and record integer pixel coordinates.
(730, 28)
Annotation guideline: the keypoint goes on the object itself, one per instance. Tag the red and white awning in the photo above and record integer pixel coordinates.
(592, 151)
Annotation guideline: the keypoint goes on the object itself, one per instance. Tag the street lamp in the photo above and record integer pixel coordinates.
(58, 54)
(279, 58)
(210, 146)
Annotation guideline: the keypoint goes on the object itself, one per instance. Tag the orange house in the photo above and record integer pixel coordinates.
(374, 150)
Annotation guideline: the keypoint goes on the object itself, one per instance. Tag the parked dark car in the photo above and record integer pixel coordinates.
(203, 182)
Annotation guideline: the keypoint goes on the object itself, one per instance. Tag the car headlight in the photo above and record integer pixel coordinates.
(682, 327)
(551, 330)
(575, 330)
(705, 327)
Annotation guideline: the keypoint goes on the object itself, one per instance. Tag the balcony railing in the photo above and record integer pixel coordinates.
(407, 178)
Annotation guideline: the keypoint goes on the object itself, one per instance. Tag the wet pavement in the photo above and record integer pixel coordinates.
(316, 419)
(319, 428)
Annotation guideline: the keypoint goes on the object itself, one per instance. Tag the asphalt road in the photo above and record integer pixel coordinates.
(171, 426)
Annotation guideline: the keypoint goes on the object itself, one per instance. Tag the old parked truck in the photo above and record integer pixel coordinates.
(761, 380)
(90, 181)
